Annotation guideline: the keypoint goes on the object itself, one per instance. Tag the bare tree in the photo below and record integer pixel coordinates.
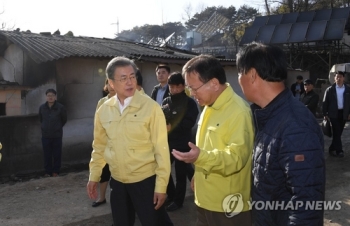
(187, 12)
(4, 25)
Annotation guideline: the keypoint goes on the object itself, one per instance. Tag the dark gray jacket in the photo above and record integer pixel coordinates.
(310, 99)
(330, 104)
(52, 120)
(155, 91)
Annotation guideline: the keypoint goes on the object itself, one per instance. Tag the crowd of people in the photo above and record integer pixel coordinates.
(244, 151)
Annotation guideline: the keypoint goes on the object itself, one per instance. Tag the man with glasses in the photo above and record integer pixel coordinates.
(53, 117)
(130, 135)
(224, 139)
(309, 98)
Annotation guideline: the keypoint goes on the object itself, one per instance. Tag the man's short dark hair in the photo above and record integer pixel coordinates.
(165, 66)
(139, 78)
(341, 73)
(299, 77)
(176, 78)
(50, 91)
(308, 82)
(207, 66)
(269, 61)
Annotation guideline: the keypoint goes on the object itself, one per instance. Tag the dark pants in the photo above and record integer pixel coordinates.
(337, 129)
(211, 218)
(182, 171)
(52, 154)
(106, 174)
(126, 199)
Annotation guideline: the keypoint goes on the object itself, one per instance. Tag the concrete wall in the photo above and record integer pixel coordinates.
(21, 152)
(11, 65)
(12, 100)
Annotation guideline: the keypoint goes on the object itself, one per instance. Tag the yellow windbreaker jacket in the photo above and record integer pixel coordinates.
(225, 136)
(134, 143)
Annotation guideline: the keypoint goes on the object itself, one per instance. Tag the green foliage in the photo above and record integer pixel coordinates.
(287, 6)
(242, 19)
(69, 34)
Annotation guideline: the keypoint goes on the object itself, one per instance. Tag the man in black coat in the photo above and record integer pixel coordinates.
(298, 88)
(288, 160)
(161, 91)
(309, 98)
(336, 108)
(53, 117)
(181, 114)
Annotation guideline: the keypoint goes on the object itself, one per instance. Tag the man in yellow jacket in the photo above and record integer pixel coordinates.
(130, 135)
(223, 155)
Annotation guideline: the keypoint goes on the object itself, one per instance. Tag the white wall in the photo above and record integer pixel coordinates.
(11, 65)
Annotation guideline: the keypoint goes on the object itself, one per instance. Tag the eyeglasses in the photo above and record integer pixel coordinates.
(124, 79)
(51, 95)
(194, 90)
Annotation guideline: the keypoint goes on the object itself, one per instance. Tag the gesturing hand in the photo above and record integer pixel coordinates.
(188, 157)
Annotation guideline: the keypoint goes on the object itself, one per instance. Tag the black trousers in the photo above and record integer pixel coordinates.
(126, 199)
(52, 154)
(176, 193)
(106, 174)
(211, 218)
(337, 129)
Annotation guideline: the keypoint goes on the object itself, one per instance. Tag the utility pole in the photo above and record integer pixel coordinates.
(117, 25)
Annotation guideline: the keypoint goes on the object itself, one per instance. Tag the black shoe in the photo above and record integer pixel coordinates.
(96, 204)
(340, 154)
(168, 201)
(172, 207)
(333, 153)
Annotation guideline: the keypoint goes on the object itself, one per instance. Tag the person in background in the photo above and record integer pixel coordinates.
(336, 108)
(309, 98)
(224, 142)
(298, 88)
(53, 116)
(106, 174)
(161, 91)
(288, 159)
(139, 82)
(181, 113)
(130, 135)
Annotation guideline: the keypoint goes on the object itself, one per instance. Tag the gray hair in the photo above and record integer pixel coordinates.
(118, 62)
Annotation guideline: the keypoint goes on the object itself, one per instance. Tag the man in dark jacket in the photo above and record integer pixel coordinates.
(181, 113)
(336, 108)
(53, 116)
(288, 159)
(298, 88)
(309, 98)
(161, 91)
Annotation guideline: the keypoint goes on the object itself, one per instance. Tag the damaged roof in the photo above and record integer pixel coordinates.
(45, 47)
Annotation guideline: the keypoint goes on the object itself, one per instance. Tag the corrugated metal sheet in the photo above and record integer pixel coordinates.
(42, 48)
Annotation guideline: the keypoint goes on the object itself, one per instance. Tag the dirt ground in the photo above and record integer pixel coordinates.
(63, 200)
